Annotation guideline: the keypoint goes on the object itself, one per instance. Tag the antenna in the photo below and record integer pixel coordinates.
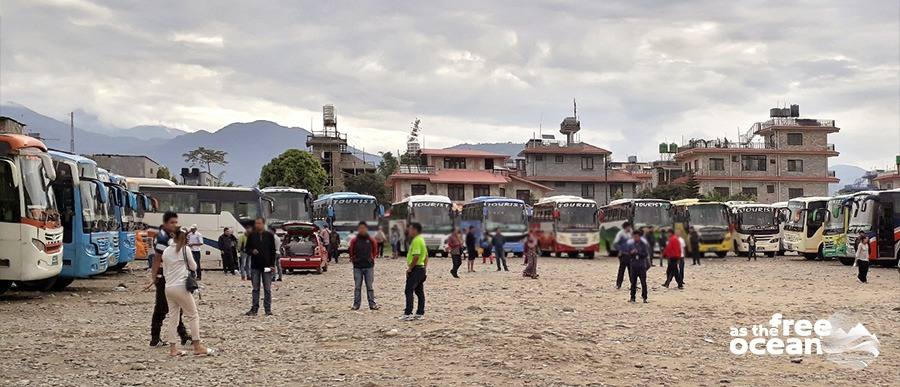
(575, 108)
(541, 126)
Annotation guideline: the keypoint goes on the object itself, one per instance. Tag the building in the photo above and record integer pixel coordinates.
(641, 170)
(789, 160)
(196, 177)
(330, 147)
(127, 165)
(576, 168)
(461, 175)
(888, 179)
(9, 125)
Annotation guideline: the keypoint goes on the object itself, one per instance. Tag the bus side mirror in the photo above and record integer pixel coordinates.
(16, 177)
(47, 163)
(381, 210)
(102, 192)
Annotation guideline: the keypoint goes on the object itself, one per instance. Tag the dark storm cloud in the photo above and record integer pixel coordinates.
(642, 71)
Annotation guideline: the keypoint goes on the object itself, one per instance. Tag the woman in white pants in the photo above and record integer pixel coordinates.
(177, 265)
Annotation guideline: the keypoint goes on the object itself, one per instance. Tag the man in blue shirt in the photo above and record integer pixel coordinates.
(638, 256)
(498, 241)
(619, 243)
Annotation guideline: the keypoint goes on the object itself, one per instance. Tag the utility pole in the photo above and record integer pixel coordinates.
(72, 132)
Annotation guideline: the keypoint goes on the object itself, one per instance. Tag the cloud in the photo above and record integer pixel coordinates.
(642, 71)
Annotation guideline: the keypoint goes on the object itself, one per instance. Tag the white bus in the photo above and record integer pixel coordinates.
(291, 205)
(641, 213)
(433, 212)
(781, 221)
(344, 210)
(804, 229)
(760, 221)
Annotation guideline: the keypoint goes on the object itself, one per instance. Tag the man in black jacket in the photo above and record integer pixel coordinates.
(228, 246)
(261, 249)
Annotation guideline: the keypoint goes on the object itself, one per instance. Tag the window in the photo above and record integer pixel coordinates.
(418, 189)
(245, 210)
(456, 192)
(617, 188)
(753, 163)
(208, 207)
(770, 188)
(559, 184)
(749, 191)
(795, 165)
(722, 191)
(587, 162)
(502, 191)
(523, 195)
(696, 165)
(795, 193)
(9, 195)
(587, 190)
(716, 164)
(481, 190)
(538, 157)
(489, 164)
(454, 163)
(560, 159)
(795, 138)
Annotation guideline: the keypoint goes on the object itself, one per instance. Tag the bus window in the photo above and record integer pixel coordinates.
(9, 195)
(227, 207)
(245, 210)
(207, 207)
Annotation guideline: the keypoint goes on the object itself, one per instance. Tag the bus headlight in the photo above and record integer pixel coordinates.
(38, 244)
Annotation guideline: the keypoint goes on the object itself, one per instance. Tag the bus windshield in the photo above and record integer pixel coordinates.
(834, 222)
(708, 215)
(756, 218)
(90, 201)
(289, 206)
(354, 210)
(39, 200)
(652, 214)
(434, 217)
(577, 216)
(861, 216)
(506, 216)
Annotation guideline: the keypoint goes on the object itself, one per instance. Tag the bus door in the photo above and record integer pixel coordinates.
(886, 236)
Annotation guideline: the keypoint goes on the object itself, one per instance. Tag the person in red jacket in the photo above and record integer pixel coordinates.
(363, 249)
(673, 254)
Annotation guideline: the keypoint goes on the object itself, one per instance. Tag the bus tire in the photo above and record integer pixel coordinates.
(120, 266)
(589, 255)
(810, 256)
(519, 255)
(61, 283)
(770, 254)
(4, 286)
(889, 263)
(847, 261)
(38, 285)
(545, 253)
(721, 254)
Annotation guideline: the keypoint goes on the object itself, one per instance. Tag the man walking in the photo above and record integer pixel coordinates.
(334, 243)
(195, 240)
(416, 261)
(751, 247)
(694, 237)
(454, 245)
(244, 262)
(325, 236)
(363, 250)
(651, 243)
(471, 250)
(498, 241)
(261, 249)
(279, 273)
(161, 305)
(638, 256)
(620, 243)
(380, 238)
(673, 254)
(228, 246)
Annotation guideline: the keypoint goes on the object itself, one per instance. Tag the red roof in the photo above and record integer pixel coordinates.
(887, 176)
(462, 153)
(613, 177)
(526, 181)
(574, 149)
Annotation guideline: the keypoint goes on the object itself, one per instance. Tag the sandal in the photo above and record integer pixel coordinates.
(178, 354)
(209, 352)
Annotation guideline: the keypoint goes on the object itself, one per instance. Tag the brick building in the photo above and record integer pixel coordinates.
(790, 160)
(888, 179)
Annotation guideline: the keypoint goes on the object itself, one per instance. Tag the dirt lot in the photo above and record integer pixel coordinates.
(570, 327)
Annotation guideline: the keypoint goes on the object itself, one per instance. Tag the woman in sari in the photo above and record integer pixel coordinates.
(531, 246)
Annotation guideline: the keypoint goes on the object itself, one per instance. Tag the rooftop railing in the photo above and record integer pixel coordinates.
(792, 121)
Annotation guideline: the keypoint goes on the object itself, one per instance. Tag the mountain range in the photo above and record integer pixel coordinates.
(249, 144)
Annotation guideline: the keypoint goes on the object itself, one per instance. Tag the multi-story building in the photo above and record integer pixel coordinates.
(888, 179)
(330, 147)
(461, 175)
(791, 160)
(127, 165)
(641, 170)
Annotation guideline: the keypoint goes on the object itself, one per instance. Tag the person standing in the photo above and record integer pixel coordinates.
(651, 244)
(380, 238)
(177, 267)
(862, 258)
(498, 241)
(395, 242)
(416, 262)
(261, 248)
(195, 240)
(454, 247)
(638, 256)
(531, 255)
(486, 249)
(620, 242)
(363, 249)
(751, 247)
(279, 239)
(158, 280)
(471, 250)
(662, 239)
(673, 253)
(244, 262)
(228, 246)
(334, 243)
(694, 238)
(325, 236)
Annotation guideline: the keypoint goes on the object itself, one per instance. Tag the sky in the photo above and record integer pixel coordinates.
(641, 71)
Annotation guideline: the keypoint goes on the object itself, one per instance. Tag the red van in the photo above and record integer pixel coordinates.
(301, 248)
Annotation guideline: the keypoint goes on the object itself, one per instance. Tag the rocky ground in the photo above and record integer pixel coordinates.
(570, 327)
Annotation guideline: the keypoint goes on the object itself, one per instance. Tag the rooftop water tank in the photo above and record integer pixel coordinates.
(663, 148)
(328, 115)
(673, 148)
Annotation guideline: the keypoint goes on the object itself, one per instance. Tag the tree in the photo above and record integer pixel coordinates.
(164, 173)
(388, 165)
(369, 184)
(691, 187)
(205, 156)
(294, 168)
(415, 158)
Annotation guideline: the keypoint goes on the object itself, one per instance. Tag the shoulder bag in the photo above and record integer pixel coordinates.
(190, 283)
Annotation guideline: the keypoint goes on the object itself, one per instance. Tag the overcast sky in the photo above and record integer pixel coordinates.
(479, 71)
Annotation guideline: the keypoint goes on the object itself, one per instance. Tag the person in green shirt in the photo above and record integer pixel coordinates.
(416, 261)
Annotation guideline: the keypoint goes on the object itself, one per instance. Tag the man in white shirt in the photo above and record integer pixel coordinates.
(195, 241)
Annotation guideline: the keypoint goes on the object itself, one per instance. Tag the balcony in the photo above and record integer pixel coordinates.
(416, 169)
(722, 144)
(792, 121)
(832, 174)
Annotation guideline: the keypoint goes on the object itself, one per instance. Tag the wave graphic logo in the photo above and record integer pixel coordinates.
(850, 344)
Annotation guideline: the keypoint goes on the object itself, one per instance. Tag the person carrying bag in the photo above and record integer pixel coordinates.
(181, 283)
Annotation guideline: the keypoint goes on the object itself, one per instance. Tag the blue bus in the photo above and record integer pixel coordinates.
(488, 213)
(81, 197)
(123, 205)
(344, 210)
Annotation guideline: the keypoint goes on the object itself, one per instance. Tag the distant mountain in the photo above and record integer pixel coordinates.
(848, 175)
(510, 149)
(249, 145)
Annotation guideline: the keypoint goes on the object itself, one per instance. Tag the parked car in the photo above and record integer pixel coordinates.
(302, 249)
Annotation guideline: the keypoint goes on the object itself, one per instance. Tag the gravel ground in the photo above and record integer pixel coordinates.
(570, 327)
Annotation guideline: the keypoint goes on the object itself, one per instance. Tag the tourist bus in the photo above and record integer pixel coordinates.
(212, 209)
(113, 217)
(877, 214)
(782, 218)
(488, 213)
(711, 220)
(641, 213)
(291, 205)
(80, 195)
(343, 211)
(803, 230)
(433, 212)
(123, 204)
(834, 236)
(30, 231)
(567, 225)
(757, 220)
